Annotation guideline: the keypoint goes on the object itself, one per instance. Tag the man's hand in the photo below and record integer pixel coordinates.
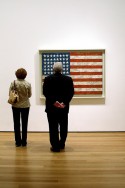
(59, 105)
(62, 105)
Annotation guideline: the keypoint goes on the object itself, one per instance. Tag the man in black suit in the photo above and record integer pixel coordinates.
(58, 90)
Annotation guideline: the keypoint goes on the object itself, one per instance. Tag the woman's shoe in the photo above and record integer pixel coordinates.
(18, 145)
(55, 149)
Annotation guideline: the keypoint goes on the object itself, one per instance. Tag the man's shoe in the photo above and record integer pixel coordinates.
(55, 149)
(62, 146)
(24, 145)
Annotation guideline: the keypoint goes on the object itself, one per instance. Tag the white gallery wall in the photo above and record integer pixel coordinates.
(27, 26)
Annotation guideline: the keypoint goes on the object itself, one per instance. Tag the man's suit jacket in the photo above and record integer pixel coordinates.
(58, 87)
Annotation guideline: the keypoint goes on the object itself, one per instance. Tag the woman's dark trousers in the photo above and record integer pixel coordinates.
(20, 117)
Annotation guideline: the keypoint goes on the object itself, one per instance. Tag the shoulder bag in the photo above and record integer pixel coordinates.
(13, 96)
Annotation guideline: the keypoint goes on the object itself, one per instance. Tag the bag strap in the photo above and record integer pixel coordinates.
(14, 84)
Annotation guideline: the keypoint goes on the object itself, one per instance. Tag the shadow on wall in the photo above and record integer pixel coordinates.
(38, 86)
(82, 101)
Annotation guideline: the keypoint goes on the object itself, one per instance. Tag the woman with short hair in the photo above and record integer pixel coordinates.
(21, 108)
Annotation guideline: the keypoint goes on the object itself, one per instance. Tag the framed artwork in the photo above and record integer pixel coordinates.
(86, 67)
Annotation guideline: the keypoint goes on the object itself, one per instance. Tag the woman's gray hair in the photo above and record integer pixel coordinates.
(57, 67)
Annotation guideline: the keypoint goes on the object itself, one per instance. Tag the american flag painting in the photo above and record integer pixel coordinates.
(86, 67)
